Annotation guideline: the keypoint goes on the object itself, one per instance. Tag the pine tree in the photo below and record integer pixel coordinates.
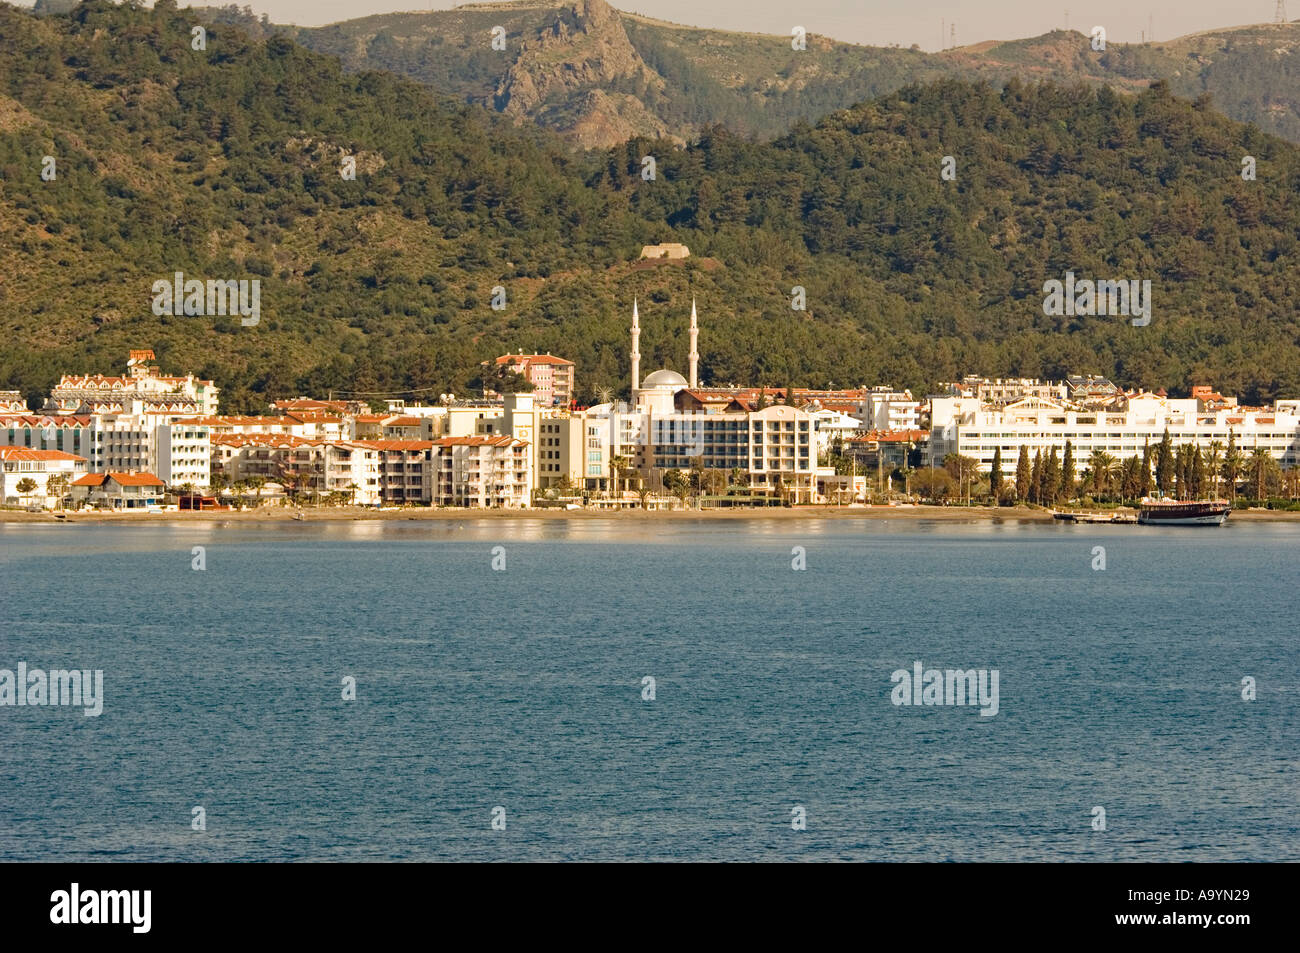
(1022, 475)
(995, 475)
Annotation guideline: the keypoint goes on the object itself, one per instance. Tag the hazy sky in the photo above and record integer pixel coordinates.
(878, 22)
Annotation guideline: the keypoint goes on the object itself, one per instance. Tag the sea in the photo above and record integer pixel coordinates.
(653, 690)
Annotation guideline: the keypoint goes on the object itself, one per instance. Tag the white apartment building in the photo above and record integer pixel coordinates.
(182, 455)
(177, 451)
(318, 466)
(483, 471)
(964, 425)
(407, 470)
(886, 409)
(831, 425)
(18, 464)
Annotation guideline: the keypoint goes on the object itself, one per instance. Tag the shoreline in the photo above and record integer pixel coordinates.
(1018, 514)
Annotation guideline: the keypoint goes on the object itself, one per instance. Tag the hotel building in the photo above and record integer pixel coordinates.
(95, 393)
(966, 426)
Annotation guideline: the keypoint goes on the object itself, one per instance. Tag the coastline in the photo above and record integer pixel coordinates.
(1020, 514)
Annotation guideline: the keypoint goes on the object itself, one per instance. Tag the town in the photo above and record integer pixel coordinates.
(146, 441)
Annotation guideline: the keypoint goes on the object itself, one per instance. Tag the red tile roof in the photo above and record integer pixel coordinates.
(478, 441)
(306, 403)
(279, 440)
(395, 444)
(23, 453)
(121, 479)
(531, 359)
(44, 420)
(312, 416)
(232, 421)
(890, 436)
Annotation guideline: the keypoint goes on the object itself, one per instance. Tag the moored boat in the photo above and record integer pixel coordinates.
(1184, 512)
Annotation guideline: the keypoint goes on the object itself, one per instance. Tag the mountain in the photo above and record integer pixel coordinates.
(224, 164)
(598, 76)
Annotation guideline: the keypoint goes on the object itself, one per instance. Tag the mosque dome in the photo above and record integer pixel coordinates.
(665, 378)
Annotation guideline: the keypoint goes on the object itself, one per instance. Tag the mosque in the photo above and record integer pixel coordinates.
(675, 424)
(657, 394)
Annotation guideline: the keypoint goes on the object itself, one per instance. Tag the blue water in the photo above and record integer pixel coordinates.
(523, 689)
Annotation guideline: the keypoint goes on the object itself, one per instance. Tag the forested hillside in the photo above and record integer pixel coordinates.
(224, 163)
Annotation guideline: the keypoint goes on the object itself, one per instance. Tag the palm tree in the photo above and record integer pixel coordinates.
(907, 480)
(1213, 461)
(616, 464)
(1103, 467)
(1291, 483)
(57, 487)
(1233, 466)
(1259, 466)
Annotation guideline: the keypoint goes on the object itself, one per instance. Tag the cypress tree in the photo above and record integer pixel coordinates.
(1165, 463)
(1068, 476)
(1196, 483)
(1145, 485)
(995, 475)
(1036, 478)
(1051, 478)
(1022, 475)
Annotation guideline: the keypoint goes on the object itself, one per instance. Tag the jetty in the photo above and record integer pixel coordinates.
(1069, 516)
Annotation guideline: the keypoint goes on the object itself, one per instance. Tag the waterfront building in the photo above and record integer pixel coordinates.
(483, 471)
(65, 432)
(313, 468)
(966, 426)
(407, 470)
(176, 449)
(119, 491)
(51, 472)
(773, 447)
(888, 448)
(565, 451)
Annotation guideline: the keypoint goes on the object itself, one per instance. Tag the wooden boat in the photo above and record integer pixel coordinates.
(1184, 512)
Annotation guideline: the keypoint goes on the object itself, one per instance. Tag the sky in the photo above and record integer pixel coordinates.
(875, 22)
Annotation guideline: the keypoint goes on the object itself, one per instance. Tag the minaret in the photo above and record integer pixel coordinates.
(695, 353)
(636, 347)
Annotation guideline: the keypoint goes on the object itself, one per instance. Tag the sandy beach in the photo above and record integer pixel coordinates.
(283, 514)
